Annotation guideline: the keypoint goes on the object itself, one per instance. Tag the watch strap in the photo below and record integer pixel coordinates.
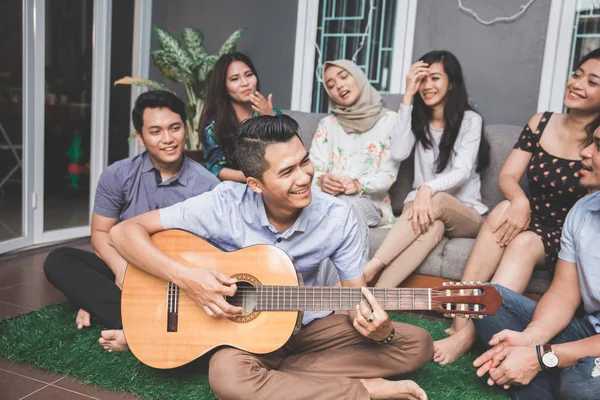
(539, 356)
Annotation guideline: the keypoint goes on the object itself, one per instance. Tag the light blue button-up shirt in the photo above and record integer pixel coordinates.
(580, 244)
(232, 216)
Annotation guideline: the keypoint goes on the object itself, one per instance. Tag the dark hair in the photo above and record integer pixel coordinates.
(594, 54)
(218, 104)
(255, 135)
(457, 102)
(590, 129)
(156, 99)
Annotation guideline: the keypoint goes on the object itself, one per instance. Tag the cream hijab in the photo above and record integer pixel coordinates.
(368, 108)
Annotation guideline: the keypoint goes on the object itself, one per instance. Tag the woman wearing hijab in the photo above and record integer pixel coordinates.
(450, 152)
(351, 148)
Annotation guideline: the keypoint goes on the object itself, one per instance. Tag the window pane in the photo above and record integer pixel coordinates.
(69, 25)
(11, 119)
(339, 33)
(587, 30)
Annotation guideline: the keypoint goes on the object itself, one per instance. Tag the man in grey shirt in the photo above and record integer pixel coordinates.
(539, 350)
(160, 177)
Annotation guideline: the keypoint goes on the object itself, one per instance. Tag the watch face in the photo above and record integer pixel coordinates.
(550, 360)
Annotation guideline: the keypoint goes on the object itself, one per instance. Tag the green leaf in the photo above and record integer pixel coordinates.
(193, 40)
(212, 60)
(142, 82)
(171, 69)
(171, 45)
(230, 44)
(203, 71)
(167, 41)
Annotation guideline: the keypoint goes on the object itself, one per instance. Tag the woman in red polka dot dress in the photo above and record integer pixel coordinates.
(523, 232)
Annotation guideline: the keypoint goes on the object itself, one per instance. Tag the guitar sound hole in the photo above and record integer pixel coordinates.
(244, 297)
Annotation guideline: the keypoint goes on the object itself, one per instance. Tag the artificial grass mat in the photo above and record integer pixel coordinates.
(49, 339)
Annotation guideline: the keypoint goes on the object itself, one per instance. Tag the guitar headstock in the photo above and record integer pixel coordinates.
(466, 299)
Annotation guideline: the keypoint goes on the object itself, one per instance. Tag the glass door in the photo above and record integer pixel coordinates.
(64, 197)
(16, 29)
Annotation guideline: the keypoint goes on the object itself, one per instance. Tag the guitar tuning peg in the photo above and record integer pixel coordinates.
(445, 283)
(473, 283)
(480, 316)
(478, 282)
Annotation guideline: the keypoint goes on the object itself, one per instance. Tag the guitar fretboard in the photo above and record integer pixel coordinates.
(317, 298)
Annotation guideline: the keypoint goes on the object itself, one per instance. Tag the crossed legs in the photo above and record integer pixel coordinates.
(327, 359)
(403, 250)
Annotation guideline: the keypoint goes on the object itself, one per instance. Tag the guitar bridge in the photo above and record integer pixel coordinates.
(172, 307)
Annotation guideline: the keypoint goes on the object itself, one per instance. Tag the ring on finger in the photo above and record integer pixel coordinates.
(371, 318)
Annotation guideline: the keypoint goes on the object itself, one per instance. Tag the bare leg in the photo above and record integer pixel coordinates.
(83, 319)
(113, 340)
(485, 256)
(522, 254)
(379, 388)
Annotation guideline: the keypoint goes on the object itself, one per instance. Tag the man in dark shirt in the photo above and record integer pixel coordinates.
(158, 178)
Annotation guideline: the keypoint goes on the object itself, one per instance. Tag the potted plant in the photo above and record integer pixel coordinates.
(189, 64)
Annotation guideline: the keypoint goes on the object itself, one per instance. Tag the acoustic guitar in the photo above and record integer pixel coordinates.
(165, 328)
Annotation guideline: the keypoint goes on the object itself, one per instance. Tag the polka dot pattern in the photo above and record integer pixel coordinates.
(553, 189)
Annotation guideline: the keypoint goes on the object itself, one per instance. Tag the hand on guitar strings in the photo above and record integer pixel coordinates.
(371, 320)
(207, 287)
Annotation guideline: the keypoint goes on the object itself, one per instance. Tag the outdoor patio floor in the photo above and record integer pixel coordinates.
(24, 288)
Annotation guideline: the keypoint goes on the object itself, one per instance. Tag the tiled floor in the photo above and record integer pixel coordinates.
(23, 288)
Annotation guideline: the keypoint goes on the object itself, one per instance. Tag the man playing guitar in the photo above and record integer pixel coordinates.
(332, 356)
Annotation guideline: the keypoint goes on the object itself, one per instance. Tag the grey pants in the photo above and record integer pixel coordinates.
(368, 216)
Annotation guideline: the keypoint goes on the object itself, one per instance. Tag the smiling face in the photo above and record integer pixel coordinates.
(582, 91)
(434, 88)
(163, 135)
(240, 82)
(341, 86)
(590, 173)
(286, 185)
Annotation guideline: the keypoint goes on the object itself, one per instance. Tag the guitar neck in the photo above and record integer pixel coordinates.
(318, 298)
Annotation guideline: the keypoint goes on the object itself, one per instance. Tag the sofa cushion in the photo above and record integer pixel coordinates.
(501, 138)
(308, 125)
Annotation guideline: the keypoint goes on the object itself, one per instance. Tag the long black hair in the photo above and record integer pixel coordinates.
(218, 104)
(456, 103)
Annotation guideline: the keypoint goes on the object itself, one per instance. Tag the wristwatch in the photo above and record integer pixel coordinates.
(549, 358)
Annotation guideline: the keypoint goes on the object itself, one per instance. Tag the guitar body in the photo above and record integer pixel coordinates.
(145, 303)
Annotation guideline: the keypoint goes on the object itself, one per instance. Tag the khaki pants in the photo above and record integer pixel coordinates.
(323, 361)
(403, 251)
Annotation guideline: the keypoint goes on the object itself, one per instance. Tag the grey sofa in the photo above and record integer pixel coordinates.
(448, 259)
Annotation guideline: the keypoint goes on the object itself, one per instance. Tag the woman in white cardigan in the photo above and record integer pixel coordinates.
(450, 151)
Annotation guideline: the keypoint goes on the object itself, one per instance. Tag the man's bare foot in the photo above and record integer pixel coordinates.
(379, 388)
(83, 319)
(113, 340)
(372, 267)
(448, 350)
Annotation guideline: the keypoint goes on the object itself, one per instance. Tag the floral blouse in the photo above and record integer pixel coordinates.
(212, 151)
(363, 156)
